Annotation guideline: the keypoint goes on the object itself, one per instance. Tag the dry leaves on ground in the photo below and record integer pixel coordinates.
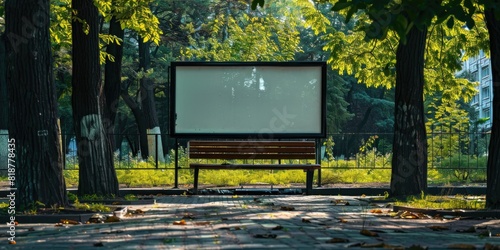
(179, 222)
(369, 233)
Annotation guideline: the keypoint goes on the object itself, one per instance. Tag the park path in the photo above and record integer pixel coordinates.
(262, 222)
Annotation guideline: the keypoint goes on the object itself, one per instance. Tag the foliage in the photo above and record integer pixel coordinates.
(447, 122)
(237, 35)
(329, 143)
(373, 61)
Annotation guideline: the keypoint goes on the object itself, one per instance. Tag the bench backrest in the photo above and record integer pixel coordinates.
(252, 149)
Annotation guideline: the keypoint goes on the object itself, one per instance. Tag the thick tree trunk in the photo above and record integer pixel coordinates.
(493, 167)
(409, 162)
(33, 107)
(112, 79)
(4, 102)
(4, 107)
(95, 156)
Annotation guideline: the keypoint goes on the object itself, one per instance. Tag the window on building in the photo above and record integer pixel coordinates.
(485, 92)
(486, 112)
(475, 99)
(485, 71)
(473, 76)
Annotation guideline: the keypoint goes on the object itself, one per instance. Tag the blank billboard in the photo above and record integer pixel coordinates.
(251, 99)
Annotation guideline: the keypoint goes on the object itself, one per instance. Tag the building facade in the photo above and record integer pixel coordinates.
(478, 69)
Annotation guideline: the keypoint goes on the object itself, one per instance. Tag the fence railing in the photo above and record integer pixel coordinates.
(462, 152)
(446, 150)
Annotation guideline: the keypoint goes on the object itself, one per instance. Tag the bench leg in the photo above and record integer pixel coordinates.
(195, 184)
(309, 180)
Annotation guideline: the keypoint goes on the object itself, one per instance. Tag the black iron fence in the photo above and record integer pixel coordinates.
(446, 150)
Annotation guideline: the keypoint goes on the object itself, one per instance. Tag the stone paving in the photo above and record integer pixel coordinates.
(262, 222)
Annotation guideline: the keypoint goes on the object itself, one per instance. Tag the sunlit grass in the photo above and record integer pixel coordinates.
(444, 202)
(166, 177)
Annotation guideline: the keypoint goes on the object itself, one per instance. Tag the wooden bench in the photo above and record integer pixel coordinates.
(276, 151)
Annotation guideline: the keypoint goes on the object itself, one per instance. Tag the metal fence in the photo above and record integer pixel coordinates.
(447, 149)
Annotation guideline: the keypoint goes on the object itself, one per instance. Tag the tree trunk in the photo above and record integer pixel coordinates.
(409, 161)
(4, 107)
(155, 148)
(4, 102)
(95, 156)
(112, 80)
(33, 107)
(493, 167)
(140, 120)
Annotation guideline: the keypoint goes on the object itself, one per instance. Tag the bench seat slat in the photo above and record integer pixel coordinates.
(250, 156)
(252, 166)
(252, 150)
(253, 144)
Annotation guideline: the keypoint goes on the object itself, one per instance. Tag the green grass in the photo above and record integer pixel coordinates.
(444, 202)
(166, 177)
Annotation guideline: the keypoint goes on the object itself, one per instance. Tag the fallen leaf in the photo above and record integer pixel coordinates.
(287, 208)
(72, 222)
(417, 247)
(340, 202)
(202, 223)
(12, 242)
(468, 230)
(376, 211)
(461, 246)
(489, 246)
(337, 240)
(98, 244)
(266, 236)
(369, 233)
(138, 211)
(180, 222)
(342, 220)
(439, 228)
(372, 245)
(409, 215)
(112, 219)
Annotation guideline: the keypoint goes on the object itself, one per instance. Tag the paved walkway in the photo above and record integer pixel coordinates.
(260, 222)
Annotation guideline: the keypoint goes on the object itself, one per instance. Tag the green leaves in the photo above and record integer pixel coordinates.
(241, 36)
